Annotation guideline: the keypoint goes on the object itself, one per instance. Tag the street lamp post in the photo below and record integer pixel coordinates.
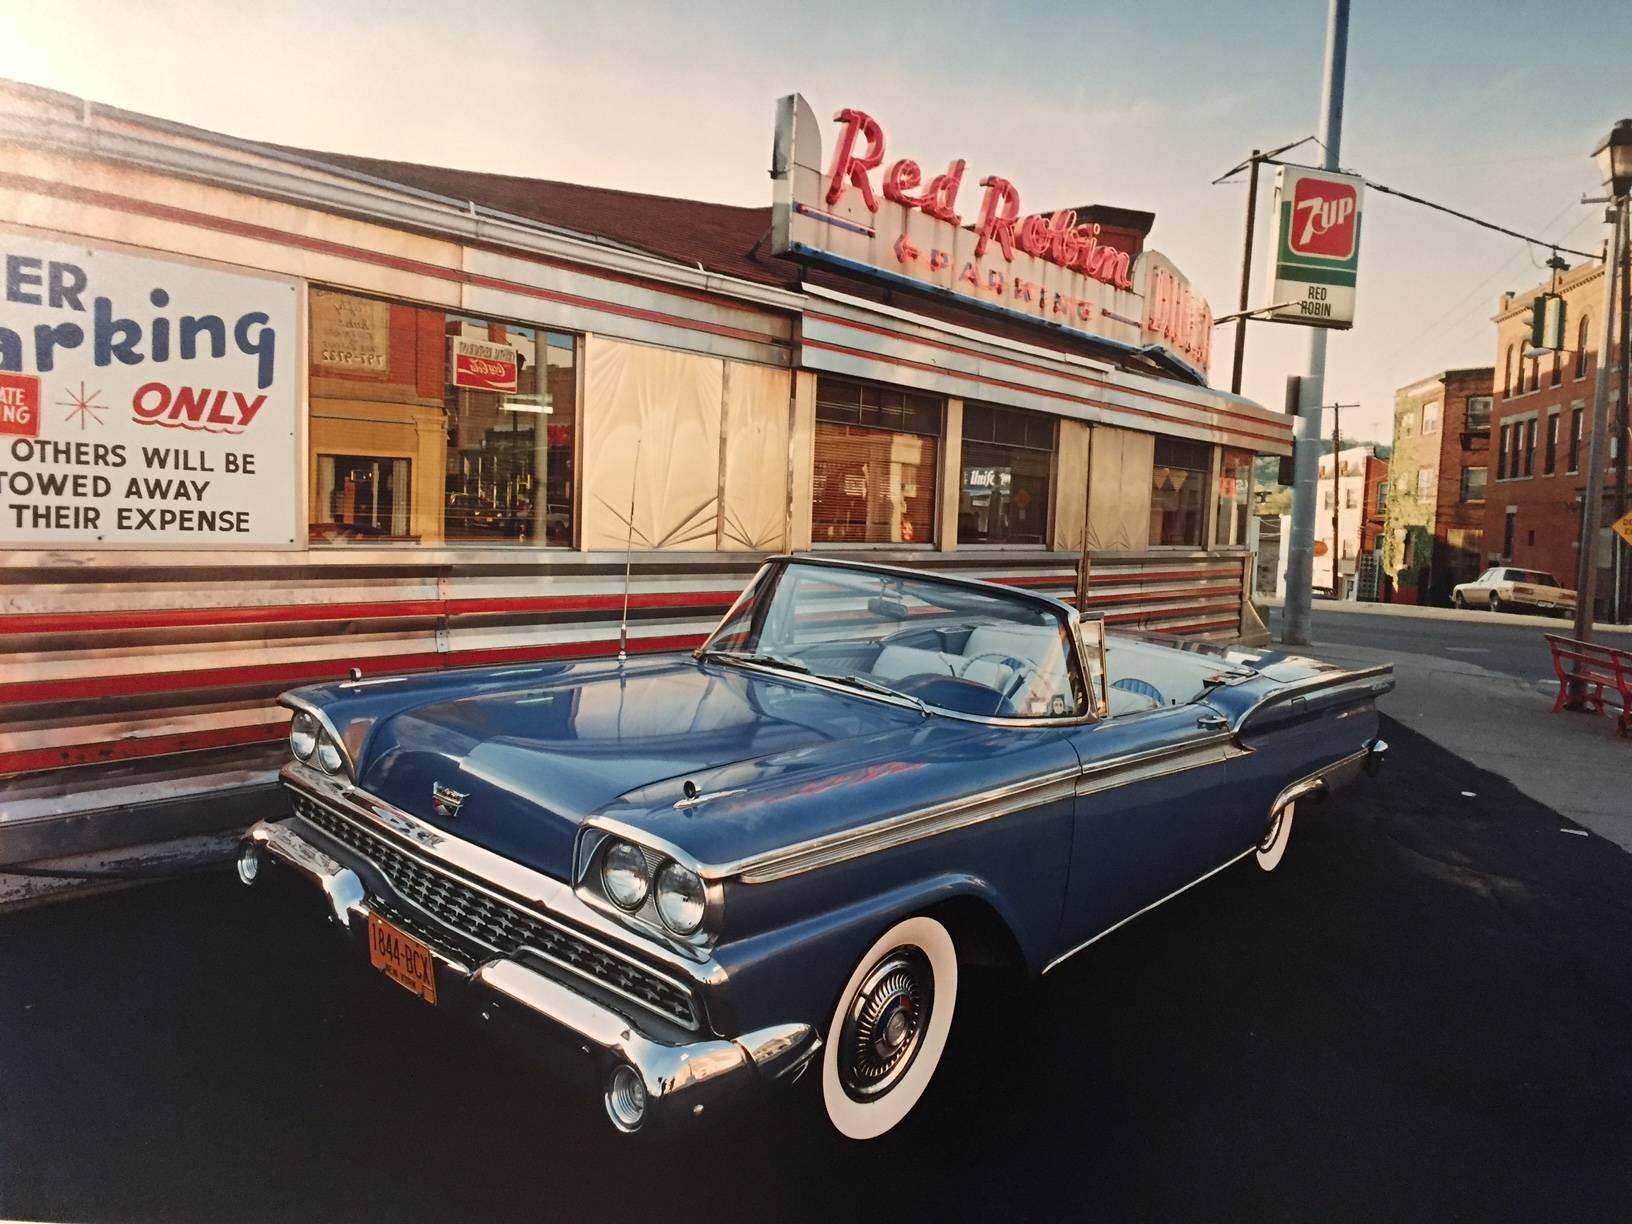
(1614, 159)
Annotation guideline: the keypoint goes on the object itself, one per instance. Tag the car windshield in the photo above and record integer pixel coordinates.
(942, 645)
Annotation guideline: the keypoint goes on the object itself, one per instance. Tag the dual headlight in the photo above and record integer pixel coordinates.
(312, 744)
(628, 880)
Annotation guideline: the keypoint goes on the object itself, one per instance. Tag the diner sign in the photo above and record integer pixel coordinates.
(868, 209)
(145, 402)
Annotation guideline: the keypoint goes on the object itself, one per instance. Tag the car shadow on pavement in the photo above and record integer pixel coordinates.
(1423, 1015)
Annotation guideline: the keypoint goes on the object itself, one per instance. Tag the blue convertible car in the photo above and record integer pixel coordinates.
(692, 875)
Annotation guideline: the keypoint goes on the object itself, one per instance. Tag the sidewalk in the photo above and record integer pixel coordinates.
(1549, 624)
(1572, 763)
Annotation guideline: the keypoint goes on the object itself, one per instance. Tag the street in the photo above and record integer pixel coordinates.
(1421, 1016)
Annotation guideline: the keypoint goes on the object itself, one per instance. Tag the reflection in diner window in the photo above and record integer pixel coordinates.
(1234, 480)
(363, 497)
(1007, 461)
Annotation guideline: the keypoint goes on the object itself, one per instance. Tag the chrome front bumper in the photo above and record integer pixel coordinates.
(681, 1077)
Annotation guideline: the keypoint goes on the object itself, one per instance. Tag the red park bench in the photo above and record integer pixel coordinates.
(1597, 669)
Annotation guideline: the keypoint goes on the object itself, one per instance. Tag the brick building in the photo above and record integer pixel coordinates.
(1359, 494)
(1434, 526)
(1543, 408)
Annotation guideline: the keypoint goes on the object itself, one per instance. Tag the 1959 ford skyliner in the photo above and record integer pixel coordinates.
(693, 875)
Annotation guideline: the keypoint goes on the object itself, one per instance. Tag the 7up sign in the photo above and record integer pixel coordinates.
(1317, 247)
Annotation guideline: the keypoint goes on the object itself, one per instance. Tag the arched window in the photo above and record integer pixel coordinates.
(1582, 336)
(1558, 369)
(1507, 374)
(1535, 373)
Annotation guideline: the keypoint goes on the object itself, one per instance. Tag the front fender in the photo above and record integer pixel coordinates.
(796, 971)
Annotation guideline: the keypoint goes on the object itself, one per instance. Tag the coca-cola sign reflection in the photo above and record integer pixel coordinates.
(483, 365)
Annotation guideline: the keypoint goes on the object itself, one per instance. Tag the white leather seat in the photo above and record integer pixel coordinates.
(894, 662)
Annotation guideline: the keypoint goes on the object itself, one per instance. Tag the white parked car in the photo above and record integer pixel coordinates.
(1505, 589)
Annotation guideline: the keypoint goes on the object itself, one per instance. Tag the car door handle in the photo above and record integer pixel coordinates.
(1213, 722)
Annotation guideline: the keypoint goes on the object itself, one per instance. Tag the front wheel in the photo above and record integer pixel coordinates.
(1458, 602)
(1272, 849)
(1496, 603)
(889, 1029)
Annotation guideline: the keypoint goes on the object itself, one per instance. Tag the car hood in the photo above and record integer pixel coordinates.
(537, 755)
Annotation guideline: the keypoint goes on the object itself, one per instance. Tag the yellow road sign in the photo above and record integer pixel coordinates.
(1623, 526)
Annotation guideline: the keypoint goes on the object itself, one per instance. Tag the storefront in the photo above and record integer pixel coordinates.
(267, 417)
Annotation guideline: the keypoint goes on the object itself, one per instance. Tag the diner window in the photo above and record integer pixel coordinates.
(1430, 417)
(1478, 418)
(1549, 461)
(876, 450)
(1473, 484)
(1575, 439)
(1179, 473)
(429, 427)
(1582, 335)
(1230, 513)
(1006, 490)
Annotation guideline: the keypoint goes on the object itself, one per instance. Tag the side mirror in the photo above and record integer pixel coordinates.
(1091, 633)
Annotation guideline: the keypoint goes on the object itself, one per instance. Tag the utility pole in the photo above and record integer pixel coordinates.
(1623, 570)
(1295, 616)
(1586, 585)
(1246, 273)
(1337, 498)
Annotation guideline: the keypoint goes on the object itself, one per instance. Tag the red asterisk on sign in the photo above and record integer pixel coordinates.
(83, 407)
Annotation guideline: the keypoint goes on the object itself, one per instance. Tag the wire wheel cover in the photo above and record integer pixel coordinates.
(885, 1022)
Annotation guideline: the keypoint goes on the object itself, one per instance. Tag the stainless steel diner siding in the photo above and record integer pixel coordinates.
(139, 688)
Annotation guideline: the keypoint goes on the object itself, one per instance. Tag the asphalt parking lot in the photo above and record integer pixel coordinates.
(1425, 1015)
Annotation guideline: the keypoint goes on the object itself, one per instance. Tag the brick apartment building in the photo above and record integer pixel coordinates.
(1543, 406)
(1359, 493)
(1434, 524)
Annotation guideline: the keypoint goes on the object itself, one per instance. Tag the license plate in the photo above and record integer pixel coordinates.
(405, 960)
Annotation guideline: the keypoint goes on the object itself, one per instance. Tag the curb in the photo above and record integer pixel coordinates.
(1343, 607)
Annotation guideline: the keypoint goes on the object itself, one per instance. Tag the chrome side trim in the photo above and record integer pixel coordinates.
(1064, 956)
(900, 830)
(517, 885)
(1154, 763)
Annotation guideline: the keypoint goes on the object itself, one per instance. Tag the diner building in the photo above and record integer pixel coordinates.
(268, 415)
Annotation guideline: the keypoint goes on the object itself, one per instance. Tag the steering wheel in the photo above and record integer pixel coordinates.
(1017, 666)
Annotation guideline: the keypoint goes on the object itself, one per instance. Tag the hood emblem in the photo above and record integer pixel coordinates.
(446, 801)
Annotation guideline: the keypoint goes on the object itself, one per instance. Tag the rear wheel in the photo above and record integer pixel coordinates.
(1272, 848)
(889, 1029)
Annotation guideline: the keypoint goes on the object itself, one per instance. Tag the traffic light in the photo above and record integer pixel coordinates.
(1547, 322)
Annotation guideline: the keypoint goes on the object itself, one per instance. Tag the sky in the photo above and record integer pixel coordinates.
(1489, 106)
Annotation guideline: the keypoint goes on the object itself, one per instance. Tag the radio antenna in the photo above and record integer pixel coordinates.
(628, 557)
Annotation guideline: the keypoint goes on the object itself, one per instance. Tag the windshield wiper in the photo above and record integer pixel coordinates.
(764, 660)
(873, 686)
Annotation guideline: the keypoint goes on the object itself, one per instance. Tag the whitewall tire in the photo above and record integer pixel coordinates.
(889, 1029)
(1273, 848)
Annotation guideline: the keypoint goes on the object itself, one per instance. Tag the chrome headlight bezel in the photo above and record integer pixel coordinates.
(329, 756)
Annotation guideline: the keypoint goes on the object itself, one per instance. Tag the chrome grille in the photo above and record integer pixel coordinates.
(496, 925)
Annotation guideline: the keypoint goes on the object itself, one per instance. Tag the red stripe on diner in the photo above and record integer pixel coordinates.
(1014, 386)
(319, 670)
(32, 760)
(12, 624)
(263, 233)
(1179, 593)
(1085, 379)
